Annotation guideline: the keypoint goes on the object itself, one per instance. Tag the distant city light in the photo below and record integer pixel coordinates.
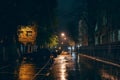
(65, 38)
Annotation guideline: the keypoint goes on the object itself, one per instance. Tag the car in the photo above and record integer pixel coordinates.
(42, 54)
(54, 53)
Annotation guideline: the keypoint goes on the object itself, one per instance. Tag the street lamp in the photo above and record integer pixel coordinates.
(62, 34)
(63, 39)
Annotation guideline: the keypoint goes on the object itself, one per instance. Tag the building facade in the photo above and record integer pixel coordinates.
(27, 38)
(107, 26)
(82, 29)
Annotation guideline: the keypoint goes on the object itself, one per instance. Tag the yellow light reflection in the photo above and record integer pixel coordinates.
(26, 71)
(63, 72)
(107, 76)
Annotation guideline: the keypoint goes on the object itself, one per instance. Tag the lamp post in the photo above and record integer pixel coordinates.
(63, 40)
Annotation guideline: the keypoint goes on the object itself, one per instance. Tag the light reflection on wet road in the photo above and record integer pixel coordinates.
(76, 67)
(65, 67)
(60, 67)
(99, 70)
(26, 72)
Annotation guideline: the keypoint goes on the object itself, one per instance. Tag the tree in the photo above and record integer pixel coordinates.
(23, 12)
(53, 41)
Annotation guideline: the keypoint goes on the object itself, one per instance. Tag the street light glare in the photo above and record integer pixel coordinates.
(62, 34)
(65, 38)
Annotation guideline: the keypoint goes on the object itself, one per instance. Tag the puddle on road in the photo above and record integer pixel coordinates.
(61, 67)
(26, 71)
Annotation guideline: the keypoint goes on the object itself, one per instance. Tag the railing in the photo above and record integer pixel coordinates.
(109, 52)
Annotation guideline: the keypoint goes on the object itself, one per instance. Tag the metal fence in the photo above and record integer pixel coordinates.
(109, 52)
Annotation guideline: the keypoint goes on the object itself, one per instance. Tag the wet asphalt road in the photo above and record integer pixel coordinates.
(25, 70)
(65, 67)
(77, 67)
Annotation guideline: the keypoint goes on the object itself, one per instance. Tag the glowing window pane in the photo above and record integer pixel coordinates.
(29, 33)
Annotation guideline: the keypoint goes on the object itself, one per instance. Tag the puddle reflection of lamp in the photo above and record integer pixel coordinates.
(26, 72)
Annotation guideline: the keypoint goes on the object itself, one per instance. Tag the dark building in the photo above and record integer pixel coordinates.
(107, 26)
(103, 21)
(103, 30)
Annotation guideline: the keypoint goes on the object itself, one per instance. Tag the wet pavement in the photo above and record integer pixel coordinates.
(25, 70)
(78, 67)
(99, 69)
(65, 67)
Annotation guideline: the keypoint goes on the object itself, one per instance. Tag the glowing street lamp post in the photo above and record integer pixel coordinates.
(63, 38)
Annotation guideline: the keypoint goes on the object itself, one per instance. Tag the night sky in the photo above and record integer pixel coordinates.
(70, 11)
(16, 12)
(23, 12)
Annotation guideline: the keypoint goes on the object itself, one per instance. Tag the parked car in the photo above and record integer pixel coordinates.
(54, 53)
(43, 55)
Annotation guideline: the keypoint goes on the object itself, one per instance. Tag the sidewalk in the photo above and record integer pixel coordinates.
(100, 60)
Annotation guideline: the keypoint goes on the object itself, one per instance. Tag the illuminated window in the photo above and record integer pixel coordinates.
(29, 33)
(20, 33)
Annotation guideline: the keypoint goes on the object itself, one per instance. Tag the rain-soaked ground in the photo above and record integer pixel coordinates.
(77, 67)
(65, 67)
